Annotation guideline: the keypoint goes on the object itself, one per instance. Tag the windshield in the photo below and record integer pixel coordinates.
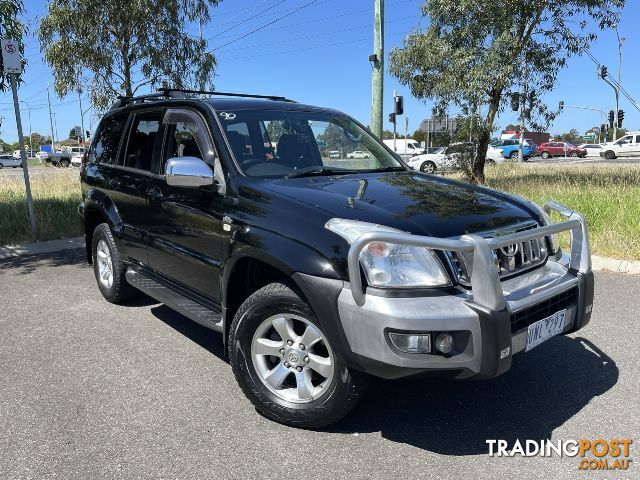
(278, 144)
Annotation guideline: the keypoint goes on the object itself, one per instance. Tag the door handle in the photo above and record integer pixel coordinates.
(155, 193)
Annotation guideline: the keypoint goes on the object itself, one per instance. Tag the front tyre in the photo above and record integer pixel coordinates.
(285, 364)
(108, 267)
(428, 167)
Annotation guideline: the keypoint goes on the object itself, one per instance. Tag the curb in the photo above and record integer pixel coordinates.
(49, 246)
(599, 264)
(606, 264)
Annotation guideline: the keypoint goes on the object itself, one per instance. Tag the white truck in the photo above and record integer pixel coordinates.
(627, 146)
(406, 148)
(68, 156)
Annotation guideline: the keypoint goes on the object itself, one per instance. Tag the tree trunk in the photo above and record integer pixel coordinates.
(477, 171)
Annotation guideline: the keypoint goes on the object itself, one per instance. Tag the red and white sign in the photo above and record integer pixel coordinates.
(11, 56)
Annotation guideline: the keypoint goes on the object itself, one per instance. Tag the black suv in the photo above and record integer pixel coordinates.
(320, 271)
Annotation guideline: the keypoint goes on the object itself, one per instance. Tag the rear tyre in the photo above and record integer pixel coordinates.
(284, 363)
(64, 163)
(108, 267)
(1, 166)
(573, 154)
(513, 156)
(428, 167)
(609, 155)
(545, 155)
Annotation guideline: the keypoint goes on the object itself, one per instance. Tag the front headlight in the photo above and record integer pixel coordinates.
(389, 264)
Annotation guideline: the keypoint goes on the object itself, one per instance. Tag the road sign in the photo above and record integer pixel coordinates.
(11, 56)
(77, 131)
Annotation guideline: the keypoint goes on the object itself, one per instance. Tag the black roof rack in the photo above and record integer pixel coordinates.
(123, 100)
(166, 93)
(169, 91)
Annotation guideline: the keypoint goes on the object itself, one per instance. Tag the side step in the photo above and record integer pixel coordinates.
(202, 311)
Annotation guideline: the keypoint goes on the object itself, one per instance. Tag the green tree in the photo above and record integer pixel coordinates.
(119, 47)
(419, 136)
(10, 27)
(472, 54)
(572, 136)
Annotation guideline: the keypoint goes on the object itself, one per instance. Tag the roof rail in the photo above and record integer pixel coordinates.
(124, 100)
(168, 91)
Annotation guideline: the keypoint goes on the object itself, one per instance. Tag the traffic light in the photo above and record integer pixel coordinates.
(515, 102)
(620, 118)
(611, 117)
(561, 105)
(398, 105)
(603, 128)
(603, 71)
(392, 118)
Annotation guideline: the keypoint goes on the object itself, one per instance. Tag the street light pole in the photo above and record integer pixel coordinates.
(50, 118)
(30, 131)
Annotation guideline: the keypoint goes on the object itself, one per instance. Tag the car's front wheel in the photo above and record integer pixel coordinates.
(609, 155)
(285, 364)
(428, 167)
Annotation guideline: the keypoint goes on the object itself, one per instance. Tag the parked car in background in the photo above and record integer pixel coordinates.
(76, 155)
(445, 161)
(358, 154)
(8, 160)
(405, 148)
(510, 148)
(495, 155)
(334, 154)
(627, 146)
(42, 155)
(16, 154)
(593, 149)
(560, 149)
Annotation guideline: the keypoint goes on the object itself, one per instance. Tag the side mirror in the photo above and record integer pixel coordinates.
(187, 172)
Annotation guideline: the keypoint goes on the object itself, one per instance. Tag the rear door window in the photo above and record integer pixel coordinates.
(107, 141)
(144, 142)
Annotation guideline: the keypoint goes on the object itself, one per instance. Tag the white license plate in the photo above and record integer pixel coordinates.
(545, 329)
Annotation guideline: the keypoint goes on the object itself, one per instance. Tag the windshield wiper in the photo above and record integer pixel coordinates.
(388, 169)
(313, 171)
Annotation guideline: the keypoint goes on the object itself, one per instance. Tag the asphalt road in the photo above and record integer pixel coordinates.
(93, 390)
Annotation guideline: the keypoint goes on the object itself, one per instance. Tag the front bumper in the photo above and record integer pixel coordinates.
(489, 322)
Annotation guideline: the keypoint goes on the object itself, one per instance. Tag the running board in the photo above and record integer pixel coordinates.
(201, 311)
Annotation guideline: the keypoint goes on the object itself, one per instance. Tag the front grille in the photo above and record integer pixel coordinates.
(522, 319)
(510, 260)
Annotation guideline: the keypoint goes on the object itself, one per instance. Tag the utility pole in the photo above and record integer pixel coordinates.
(377, 60)
(50, 118)
(81, 118)
(523, 107)
(30, 131)
(620, 40)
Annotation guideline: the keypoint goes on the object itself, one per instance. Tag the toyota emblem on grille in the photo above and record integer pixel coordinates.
(510, 250)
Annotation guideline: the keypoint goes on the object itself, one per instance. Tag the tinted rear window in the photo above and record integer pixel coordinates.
(105, 148)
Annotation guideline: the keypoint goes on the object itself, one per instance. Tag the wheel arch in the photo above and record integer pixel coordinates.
(98, 208)
(259, 257)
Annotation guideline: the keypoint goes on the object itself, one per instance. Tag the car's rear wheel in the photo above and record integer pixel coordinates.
(573, 154)
(1, 166)
(609, 155)
(65, 163)
(108, 266)
(428, 167)
(285, 364)
(513, 156)
(545, 155)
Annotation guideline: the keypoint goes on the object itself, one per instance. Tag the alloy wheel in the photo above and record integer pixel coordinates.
(105, 266)
(292, 358)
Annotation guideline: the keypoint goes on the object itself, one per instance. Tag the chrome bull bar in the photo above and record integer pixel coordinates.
(485, 279)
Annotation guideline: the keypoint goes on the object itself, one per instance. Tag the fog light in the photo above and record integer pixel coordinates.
(411, 343)
(444, 343)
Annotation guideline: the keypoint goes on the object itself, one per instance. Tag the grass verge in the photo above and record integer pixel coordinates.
(608, 197)
(55, 197)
